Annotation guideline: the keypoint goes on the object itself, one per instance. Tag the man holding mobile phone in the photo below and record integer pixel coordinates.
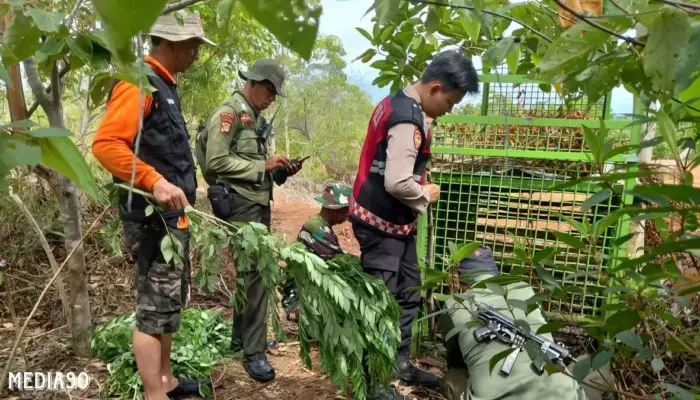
(232, 152)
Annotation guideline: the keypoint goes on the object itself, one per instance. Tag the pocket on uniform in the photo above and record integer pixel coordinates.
(163, 286)
(247, 143)
(220, 201)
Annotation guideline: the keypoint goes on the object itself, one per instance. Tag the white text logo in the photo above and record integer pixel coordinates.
(48, 381)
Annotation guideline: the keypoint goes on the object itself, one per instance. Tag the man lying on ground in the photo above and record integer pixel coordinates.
(469, 374)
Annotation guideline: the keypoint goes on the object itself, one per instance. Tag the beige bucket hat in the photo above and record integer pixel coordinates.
(168, 27)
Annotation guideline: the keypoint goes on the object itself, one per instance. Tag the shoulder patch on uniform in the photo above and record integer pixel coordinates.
(417, 138)
(227, 120)
(246, 119)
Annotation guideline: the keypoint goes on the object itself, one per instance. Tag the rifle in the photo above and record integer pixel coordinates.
(498, 326)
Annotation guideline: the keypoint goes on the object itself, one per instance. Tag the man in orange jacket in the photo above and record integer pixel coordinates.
(165, 168)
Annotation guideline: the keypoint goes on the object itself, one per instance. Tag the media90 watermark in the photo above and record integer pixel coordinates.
(48, 381)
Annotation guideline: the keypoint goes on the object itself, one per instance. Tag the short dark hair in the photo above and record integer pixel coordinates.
(454, 71)
(155, 41)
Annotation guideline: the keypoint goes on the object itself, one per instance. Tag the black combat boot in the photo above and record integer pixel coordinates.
(408, 372)
(258, 368)
(384, 393)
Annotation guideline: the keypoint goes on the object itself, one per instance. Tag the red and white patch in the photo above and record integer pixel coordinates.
(247, 120)
(417, 138)
(227, 120)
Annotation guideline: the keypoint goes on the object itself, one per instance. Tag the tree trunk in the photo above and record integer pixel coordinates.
(77, 271)
(69, 204)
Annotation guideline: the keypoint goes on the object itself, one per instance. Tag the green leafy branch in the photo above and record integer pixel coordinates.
(351, 314)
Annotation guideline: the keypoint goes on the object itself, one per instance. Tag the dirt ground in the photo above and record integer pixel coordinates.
(47, 341)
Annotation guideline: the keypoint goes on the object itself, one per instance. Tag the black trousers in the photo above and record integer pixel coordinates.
(395, 261)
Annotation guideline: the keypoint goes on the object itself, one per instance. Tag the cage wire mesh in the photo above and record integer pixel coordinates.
(496, 169)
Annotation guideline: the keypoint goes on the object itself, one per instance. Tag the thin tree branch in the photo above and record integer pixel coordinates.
(35, 105)
(3, 377)
(179, 5)
(35, 84)
(45, 173)
(73, 13)
(55, 88)
(495, 14)
(49, 254)
(599, 26)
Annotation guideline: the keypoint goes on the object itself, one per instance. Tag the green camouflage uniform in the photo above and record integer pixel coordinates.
(231, 152)
(318, 236)
(469, 376)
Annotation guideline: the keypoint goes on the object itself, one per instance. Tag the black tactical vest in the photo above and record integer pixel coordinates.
(164, 146)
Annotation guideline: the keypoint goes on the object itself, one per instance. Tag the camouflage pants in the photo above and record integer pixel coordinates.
(162, 289)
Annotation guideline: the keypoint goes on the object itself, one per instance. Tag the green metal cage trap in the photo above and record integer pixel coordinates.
(496, 183)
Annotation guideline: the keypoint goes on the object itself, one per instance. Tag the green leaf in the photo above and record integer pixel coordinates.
(669, 31)
(99, 87)
(223, 16)
(166, 248)
(123, 19)
(622, 320)
(691, 290)
(571, 47)
(500, 356)
(365, 34)
(668, 131)
(631, 339)
(5, 76)
(564, 237)
(600, 359)
(21, 39)
(46, 21)
(545, 254)
(597, 198)
(294, 28)
(496, 54)
(550, 327)
(518, 304)
(657, 365)
(15, 152)
(149, 210)
(512, 59)
(368, 57)
(677, 391)
(582, 368)
(471, 24)
(432, 21)
(546, 276)
(50, 132)
(496, 289)
(60, 154)
(386, 10)
(689, 59)
(458, 254)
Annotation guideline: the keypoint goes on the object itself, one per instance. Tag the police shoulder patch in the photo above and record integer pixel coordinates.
(417, 138)
(227, 120)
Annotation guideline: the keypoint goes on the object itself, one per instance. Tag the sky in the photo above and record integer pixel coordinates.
(341, 17)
